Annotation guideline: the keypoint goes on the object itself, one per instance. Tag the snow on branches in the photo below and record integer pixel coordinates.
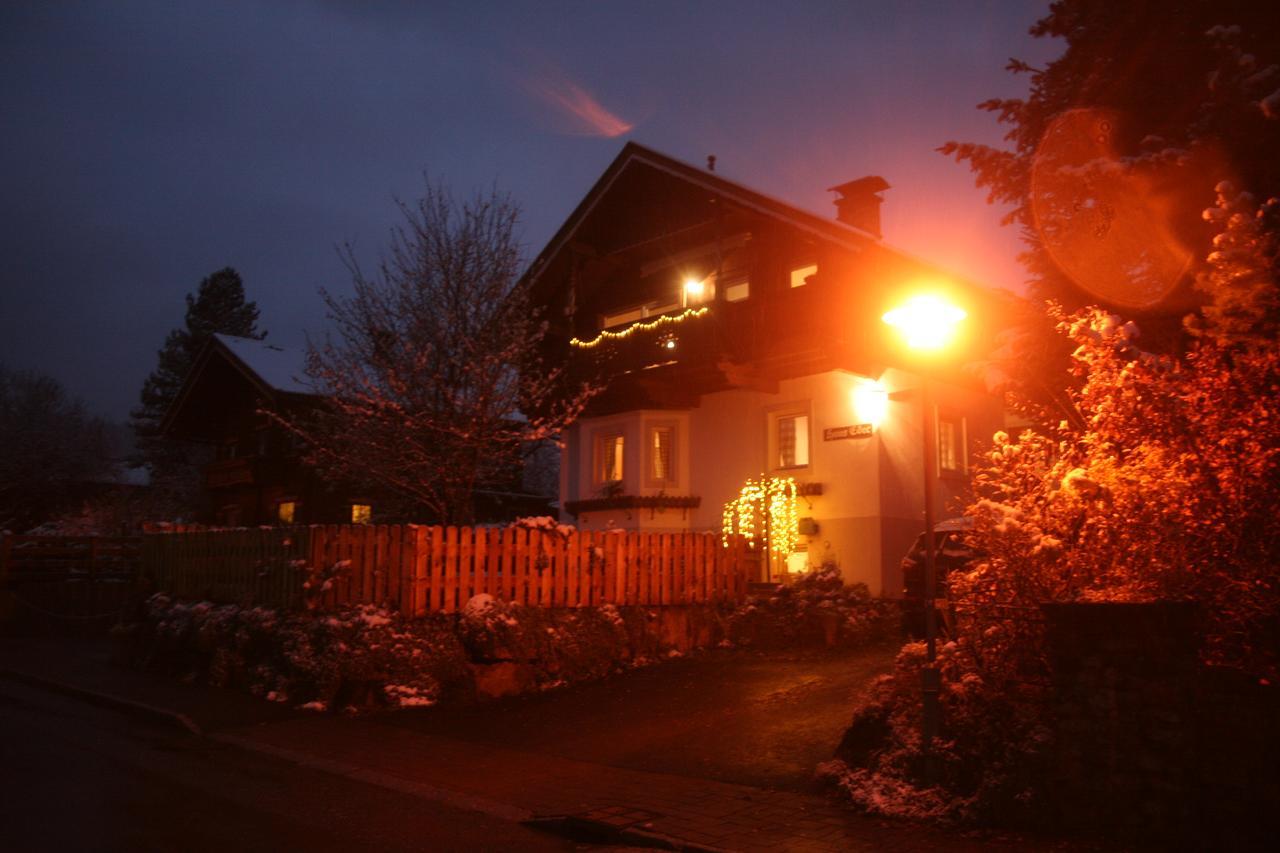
(435, 376)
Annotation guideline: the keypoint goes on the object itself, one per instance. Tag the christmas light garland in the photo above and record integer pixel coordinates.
(640, 327)
(765, 508)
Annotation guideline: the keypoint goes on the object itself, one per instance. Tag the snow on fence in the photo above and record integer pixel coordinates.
(419, 569)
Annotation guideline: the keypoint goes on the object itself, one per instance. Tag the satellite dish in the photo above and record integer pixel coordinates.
(1107, 224)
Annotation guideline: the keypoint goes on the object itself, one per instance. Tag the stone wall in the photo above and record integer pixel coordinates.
(1151, 746)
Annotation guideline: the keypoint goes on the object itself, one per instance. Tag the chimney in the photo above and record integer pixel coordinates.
(858, 202)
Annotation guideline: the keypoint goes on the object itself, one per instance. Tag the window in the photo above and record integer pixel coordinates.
(800, 275)
(286, 511)
(790, 440)
(951, 445)
(609, 450)
(737, 290)
(660, 448)
(361, 513)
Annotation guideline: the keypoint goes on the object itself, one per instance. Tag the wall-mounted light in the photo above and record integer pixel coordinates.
(695, 290)
(870, 403)
(668, 342)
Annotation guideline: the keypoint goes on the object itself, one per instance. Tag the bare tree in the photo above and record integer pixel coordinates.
(433, 378)
(50, 449)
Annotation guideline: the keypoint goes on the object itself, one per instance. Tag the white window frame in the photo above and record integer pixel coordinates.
(774, 444)
(600, 439)
(961, 436)
(673, 454)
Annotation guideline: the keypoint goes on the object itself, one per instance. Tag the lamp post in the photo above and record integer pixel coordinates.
(927, 324)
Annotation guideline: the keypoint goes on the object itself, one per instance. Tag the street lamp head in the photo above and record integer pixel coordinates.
(927, 321)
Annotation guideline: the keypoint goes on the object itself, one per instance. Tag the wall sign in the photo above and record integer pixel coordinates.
(852, 431)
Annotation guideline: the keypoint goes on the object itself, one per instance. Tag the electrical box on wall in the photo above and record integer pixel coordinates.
(807, 527)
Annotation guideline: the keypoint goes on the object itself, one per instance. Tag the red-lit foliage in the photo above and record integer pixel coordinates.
(1162, 486)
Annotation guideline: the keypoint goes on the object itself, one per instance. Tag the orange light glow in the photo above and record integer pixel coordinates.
(927, 322)
(694, 290)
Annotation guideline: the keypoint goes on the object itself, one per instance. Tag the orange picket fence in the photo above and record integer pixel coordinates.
(418, 569)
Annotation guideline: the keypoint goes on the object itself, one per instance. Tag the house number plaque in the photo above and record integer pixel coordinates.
(853, 431)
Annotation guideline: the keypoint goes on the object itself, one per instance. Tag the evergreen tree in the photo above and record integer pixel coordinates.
(1193, 89)
(1115, 157)
(218, 307)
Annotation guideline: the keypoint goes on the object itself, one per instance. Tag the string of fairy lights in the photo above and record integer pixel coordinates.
(665, 319)
(765, 509)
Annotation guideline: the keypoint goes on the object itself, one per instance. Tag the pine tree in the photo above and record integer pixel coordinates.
(218, 307)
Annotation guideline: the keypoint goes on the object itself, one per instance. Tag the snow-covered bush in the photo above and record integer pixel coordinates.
(1165, 489)
(357, 656)
(818, 609)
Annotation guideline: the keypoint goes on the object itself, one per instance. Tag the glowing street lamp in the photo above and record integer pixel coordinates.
(928, 323)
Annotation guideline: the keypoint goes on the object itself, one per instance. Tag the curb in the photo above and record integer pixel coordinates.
(107, 700)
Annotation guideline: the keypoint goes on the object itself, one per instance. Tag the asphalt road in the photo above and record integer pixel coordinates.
(765, 720)
(75, 776)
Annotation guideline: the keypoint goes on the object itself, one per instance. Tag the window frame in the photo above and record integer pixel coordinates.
(774, 438)
(600, 438)
(961, 440)
(673, 454)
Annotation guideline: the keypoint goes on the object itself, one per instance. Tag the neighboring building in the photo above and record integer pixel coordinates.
(739, 337)
(258, 474)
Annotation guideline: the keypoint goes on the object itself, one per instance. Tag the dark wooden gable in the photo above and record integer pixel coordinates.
(651, 221)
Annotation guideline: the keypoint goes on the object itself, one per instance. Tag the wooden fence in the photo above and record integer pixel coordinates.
(25, 556)
(418, 569)
(65, 584)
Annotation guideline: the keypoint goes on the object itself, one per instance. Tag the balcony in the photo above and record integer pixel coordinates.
(229, 472)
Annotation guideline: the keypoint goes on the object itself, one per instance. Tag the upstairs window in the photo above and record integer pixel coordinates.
(286, 512)
(800, 275)
(361, 513)
(737, 290)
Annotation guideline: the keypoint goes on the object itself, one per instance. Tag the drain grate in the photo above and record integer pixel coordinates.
(617, 825)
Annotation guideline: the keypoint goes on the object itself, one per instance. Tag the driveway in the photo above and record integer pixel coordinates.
(751, 718)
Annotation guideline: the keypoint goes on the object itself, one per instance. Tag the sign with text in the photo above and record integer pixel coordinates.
(852, 431)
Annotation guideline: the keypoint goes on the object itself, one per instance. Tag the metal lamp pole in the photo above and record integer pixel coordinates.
(930, 681)
(928, 322)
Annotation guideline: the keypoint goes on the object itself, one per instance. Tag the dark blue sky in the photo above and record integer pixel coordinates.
(148, 144)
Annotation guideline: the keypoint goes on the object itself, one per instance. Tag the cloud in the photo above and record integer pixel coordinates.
(587, 115)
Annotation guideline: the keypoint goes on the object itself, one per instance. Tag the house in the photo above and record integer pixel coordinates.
(740, 338)
(258, 474)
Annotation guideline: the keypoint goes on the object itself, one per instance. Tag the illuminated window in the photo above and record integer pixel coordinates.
(660, 448)
(286, 511)
(790, 440)
(609, 449)
(737, 290)
(951, 445)
(800, 275)
(361, 513)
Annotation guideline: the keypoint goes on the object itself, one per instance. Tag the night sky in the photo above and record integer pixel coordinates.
(146, 145)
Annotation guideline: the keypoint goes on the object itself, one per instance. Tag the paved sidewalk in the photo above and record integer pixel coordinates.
(686, 813)
(662, 809)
